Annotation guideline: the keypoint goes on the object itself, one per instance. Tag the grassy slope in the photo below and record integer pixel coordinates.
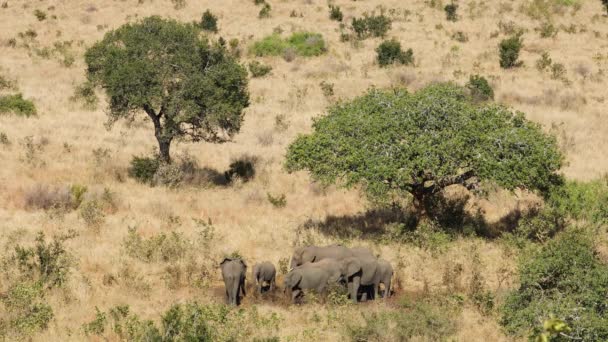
(244, 219)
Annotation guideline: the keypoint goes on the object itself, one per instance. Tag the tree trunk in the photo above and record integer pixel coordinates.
(164, 145)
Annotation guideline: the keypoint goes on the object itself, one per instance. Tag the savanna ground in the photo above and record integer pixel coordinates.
(66, 144)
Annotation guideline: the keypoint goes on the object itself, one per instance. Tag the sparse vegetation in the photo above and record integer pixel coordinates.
(258, 69)
(450, 11)
(304, 44)
(335, 13)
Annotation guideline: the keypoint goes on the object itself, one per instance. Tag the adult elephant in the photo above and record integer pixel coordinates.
(306, 254)
(361, 271)
(233, 273)
(306, 278)
(332, 266)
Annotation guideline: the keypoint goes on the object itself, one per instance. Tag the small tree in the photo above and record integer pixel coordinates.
(389, 52)
(188, 88)
(393, 143)
(605, 2)
(509, 52)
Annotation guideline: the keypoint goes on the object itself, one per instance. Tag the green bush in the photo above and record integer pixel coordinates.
(390, 52)
(17, 104)
(208, 22)
(26, 311)
(509, 52)
(301, 43)
(479, 88)
(541, 225)
(143, 169)
(91, 212)
(242, 168)
(564, 279)
(278, 201)
(47, 263)
(450, 11)
(371, 26)
(258, 69)
(335, 13)
(587, 201)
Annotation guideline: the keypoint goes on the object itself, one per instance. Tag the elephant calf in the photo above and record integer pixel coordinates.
(233, 272)
(306, 278)
(264, 273)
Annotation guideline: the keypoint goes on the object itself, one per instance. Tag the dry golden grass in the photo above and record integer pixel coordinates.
(65, 135)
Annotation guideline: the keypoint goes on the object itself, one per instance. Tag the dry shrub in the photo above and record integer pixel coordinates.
(44, 197)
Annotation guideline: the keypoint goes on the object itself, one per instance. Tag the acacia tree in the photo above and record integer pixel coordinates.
(395, 142)
(189, 88)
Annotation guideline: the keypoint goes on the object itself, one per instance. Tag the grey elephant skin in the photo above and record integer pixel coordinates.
(264, 273)
(233, 273)
(332, 266)
(306, 278)
(366, 272)
(306, 254)
(384, 275)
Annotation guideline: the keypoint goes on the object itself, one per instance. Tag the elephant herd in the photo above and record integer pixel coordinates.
(315, 268)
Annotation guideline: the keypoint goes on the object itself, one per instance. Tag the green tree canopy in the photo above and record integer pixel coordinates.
(188, 87)
(395, 142)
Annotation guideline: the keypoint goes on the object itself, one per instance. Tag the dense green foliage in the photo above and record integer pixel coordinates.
(564, 279)
(587, 201)
(304, 44)
(390, 52)
(143, 169)
(189, 88)
(509, 52)
(371, 26)
(480, 88)
(17, 105)
(258, 69)
(209, 22)
(395, 142)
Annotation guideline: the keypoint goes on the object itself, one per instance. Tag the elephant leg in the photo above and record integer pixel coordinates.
(272, 284)
(294, 295)
(234, 292)
(355, 288)
(375, 291)
(243, 287)
(387, 288)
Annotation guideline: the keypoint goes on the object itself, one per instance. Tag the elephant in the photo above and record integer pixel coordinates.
(384, 274)
(233, 273)
(361, 272)
(306, 278)
(306, 254)
(264, 272)
(332, 266)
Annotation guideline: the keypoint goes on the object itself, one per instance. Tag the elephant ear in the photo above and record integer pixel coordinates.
(225, 260)
(352, 266)
(243, 262)
(295, 278)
